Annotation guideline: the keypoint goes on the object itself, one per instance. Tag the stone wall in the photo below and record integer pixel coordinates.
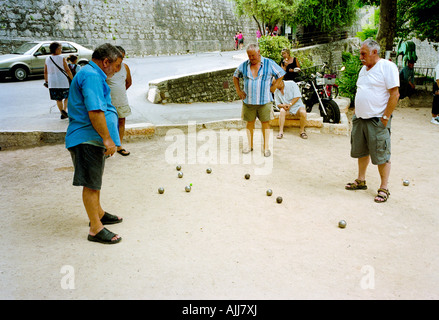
(204, 87)
(147, 27)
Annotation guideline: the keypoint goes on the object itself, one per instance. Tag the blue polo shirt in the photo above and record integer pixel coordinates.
(88, 92)
(258, 89)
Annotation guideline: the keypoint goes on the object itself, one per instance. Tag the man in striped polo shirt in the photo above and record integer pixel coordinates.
(258, 73)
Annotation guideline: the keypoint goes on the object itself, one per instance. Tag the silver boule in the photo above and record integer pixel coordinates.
(180, 174)
(342, 224)
(161, 190)
(187, 188)
(269, 192)
(406, 182)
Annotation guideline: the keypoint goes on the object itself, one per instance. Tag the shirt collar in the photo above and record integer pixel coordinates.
(99, 70)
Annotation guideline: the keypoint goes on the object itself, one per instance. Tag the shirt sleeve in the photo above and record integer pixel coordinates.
(238, 72)
(391, 76)
(277, 70)
(92, 90)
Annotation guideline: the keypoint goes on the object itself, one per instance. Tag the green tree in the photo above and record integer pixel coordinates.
(323, 15)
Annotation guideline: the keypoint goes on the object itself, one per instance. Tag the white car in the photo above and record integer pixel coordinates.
(29, 59)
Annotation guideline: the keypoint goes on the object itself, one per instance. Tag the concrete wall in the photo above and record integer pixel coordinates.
(146, 27)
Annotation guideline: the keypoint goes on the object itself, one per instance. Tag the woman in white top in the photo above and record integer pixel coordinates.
(57, 80)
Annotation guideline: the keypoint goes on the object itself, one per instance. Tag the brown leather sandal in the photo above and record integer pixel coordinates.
(357, 185)
(382, 195)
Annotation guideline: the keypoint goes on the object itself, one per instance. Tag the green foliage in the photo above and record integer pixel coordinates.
(325, 16)
(271, 47)
(367, 33)
(418, 18)
(347, 81)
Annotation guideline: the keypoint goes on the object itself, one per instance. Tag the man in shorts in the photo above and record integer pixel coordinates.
(289, 99)
(258, 73)
(92, 135)
(119, 84)
(376, 98)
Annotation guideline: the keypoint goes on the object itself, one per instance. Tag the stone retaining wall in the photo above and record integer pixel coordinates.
(210, 86)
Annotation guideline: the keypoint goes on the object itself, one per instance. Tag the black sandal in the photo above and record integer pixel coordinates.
(104, 236)
(123, 152)
(109, 218)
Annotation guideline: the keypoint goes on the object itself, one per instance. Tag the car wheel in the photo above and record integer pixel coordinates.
(19, 73)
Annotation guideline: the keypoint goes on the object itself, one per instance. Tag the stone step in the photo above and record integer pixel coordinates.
(312, 120)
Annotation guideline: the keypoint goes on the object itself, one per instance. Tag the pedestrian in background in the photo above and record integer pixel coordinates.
(57, 77)
(119, 84)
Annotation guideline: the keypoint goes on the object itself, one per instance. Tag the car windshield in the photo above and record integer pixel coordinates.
(24, 48)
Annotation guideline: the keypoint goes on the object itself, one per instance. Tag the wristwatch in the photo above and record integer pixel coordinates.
(385, 117)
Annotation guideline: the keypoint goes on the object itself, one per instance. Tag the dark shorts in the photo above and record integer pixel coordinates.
(89, 163)
(435, 108)
(370, 137)
(59, 94)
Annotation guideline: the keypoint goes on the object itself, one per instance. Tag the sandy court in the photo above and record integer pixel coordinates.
(226, 239)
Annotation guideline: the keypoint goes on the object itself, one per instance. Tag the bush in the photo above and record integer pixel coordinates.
(271, 47)
(347, 81)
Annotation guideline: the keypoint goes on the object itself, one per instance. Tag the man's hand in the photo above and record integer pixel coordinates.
(241, 94)
(110, 147)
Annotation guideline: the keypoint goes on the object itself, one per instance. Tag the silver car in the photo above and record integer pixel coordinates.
(29, 59)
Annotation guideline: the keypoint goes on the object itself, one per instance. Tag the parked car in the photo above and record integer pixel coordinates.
(29, 59)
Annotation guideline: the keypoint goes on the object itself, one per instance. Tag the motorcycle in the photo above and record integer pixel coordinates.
(313, 89)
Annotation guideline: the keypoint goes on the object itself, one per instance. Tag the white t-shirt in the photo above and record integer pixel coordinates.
(56, 79)
(291, 91)
(373, 89)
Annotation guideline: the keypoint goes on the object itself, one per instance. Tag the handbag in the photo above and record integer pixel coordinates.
(62, 70)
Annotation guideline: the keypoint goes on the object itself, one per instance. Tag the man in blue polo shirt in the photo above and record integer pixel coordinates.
(258, 73)
(92, 135)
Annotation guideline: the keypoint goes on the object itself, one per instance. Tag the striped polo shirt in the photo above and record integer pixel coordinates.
(258, 89)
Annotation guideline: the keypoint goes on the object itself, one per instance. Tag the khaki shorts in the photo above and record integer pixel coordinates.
(123, 111)
(370, 137)
(262, 111)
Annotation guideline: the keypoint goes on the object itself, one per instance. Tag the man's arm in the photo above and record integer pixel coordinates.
(99, 123)
(129, 80)
(391, 104)
(241, 94)
(275, 83)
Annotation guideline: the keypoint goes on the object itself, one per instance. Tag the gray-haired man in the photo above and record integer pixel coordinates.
(375, 101)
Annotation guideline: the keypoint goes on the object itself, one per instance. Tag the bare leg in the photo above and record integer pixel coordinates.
(266, 134)
(250, 129)
(91, 200)
(121, 131)
(282, 115)
(302, 115)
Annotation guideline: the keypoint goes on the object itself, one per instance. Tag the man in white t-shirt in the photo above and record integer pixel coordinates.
(289, 99)
(376, 98)
(435, 108)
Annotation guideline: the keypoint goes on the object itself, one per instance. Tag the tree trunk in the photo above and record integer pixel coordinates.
(259, 25)
(387, 28)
